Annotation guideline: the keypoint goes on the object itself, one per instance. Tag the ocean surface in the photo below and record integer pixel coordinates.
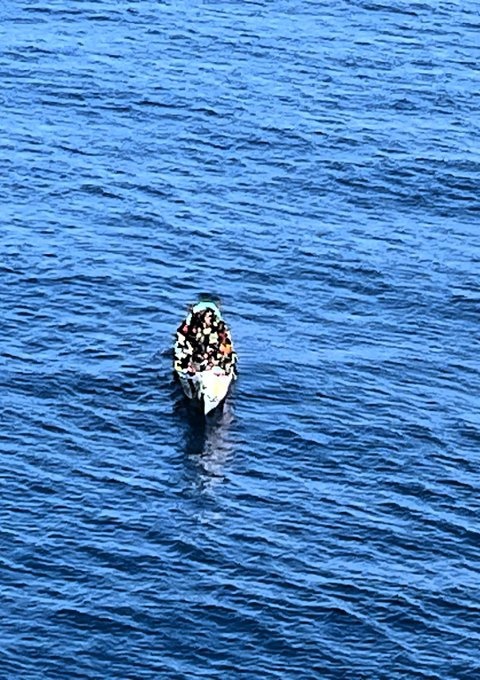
(316, 165)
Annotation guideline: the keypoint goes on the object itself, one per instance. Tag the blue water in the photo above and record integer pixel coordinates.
(316, 164)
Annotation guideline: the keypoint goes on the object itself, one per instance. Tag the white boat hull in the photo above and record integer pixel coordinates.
(209, 387)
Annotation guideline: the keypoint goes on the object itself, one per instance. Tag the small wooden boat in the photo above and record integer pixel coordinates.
(204, 357)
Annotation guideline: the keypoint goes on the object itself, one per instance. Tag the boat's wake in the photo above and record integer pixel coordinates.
(208, 447)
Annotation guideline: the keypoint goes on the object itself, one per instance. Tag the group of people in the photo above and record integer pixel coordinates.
(204, 342)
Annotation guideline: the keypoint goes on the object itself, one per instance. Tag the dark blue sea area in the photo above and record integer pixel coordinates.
(316, 165)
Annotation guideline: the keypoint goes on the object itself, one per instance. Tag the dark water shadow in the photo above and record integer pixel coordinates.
(206, 446)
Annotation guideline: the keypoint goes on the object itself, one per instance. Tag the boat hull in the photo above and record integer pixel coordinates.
(209, 388)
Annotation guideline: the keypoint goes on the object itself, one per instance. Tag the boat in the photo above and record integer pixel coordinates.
(204, 357)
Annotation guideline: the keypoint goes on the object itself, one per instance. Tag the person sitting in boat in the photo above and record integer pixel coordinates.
(213, 338)
(206, 360)
(225, 346)
(183, 353)
(194, 334)
(228, 358)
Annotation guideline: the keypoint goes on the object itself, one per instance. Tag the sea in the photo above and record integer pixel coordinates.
(315, 166)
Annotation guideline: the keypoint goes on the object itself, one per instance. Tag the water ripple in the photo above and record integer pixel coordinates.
(317, 167)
